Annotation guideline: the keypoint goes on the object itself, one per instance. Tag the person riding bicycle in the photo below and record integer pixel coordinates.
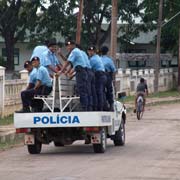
(142, 89)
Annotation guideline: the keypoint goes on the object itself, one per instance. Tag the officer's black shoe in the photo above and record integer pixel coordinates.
(24, 110)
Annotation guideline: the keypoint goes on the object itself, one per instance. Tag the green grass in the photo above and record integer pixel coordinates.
(171, 93)
(6, 120)
(11, 144)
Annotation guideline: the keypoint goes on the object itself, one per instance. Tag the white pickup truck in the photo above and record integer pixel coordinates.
(63, 128)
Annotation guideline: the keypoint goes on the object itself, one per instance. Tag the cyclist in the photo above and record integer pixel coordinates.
(142, 89)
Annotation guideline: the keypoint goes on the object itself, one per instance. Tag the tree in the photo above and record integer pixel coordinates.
(16, 16)
(96, 12)
(60, 17)
(169, 37)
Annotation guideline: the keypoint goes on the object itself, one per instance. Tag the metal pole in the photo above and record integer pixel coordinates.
(79, 23)
(158, 46)
(179, 61)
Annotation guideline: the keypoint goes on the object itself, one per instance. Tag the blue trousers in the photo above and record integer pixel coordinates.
(100, 89)
(28, 95)
(81, 83)
(109, 88)
(92, 97)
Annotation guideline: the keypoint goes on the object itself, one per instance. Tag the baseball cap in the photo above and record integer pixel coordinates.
(27, 63)
(92, 48)
(104, 49)
(35, 58)
(69, 42)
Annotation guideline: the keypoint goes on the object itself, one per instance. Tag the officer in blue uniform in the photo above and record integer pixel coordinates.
(110, 72)
(38, 51)
(79, 64)
(100, 77)
(50, 60)
(92, 97)
(43, 86)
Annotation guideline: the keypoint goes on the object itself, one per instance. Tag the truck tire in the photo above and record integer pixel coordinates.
(101, 148)
(35, 148)
(119, 138)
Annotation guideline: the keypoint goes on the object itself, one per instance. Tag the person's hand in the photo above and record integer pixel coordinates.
(58, 73)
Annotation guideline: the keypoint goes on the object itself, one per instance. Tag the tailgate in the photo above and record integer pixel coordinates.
(64, 119)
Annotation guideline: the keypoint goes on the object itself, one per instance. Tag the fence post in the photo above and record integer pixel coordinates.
(24, 74)
(2, 90)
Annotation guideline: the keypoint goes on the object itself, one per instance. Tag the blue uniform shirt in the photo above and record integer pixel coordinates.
(38, 51)
(96, 63)
(43, 76)
(32, 76)
(108, 64)
(76, 58)
(50, 58)
(85, 56)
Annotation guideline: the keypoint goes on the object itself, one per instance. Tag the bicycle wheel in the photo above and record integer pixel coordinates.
(139, 111)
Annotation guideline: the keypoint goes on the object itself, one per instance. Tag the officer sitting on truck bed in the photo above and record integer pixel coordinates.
(43, 86)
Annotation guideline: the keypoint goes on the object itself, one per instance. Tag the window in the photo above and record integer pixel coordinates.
(16, 56)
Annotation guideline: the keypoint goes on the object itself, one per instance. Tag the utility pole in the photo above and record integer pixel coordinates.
(113, 48)
(179, 60)
(158, 47)
(79, 22)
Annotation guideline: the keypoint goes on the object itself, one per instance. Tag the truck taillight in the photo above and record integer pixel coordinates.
(91, 129)
(23, 130)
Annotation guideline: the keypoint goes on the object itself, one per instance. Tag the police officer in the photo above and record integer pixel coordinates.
(43, 86)
(92, 97)
(110, 72)
(38, 51)
(100, 77)
(50, 60)
(79, 64)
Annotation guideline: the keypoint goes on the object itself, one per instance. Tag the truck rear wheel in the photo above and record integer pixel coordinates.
(35, 148)
(101, 148)
(119, 138)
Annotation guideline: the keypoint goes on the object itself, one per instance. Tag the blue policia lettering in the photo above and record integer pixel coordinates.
(56, 120)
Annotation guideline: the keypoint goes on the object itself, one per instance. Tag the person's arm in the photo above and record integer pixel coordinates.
(37, 85)
(66, 64)
(30, 86)
(52, 68)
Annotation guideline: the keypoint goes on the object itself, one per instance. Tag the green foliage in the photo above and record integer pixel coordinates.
(97, 12)
(16, 17)
(169, 37)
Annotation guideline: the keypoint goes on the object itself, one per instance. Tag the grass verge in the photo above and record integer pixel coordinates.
(8, 145)
(6, 120)
(171, 93)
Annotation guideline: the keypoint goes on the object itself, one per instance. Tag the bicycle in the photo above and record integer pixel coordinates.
(139, 109)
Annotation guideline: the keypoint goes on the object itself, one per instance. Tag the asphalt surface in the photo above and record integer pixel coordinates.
(151, 152)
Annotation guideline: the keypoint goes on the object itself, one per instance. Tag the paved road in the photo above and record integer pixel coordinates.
(152, 152)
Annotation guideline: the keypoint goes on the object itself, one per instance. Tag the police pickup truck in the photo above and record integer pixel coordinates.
(66, 124)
